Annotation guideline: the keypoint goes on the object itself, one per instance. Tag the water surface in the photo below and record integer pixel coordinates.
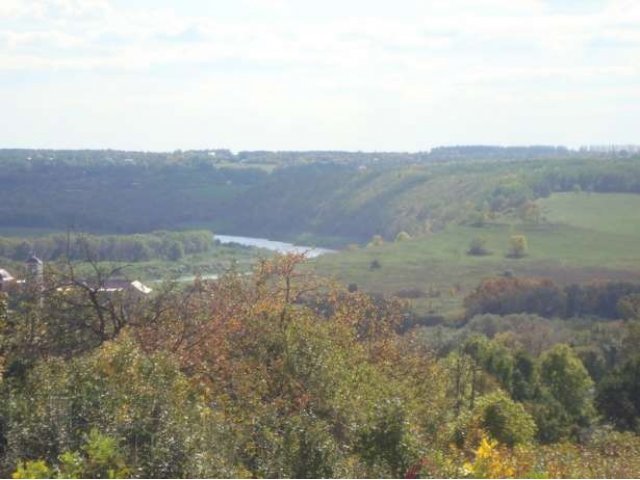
(274, 246)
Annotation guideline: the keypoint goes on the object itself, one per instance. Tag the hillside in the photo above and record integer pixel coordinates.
(336, 199)
(584, 237)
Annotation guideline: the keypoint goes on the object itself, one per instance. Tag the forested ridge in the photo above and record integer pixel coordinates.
(353, 196)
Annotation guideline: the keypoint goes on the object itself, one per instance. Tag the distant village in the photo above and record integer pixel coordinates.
(34, 279)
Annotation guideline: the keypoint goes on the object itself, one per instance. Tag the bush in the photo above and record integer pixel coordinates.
(376, 241)
(517, 246)
(403, 236)
(505, 420)
(478, 247)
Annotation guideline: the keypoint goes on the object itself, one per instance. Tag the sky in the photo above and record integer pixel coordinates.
(372, 75)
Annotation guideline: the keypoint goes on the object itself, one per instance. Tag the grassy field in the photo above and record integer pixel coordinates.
(616, 213)
(585, 237)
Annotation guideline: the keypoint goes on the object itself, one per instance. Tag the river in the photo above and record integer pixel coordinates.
(274, 246)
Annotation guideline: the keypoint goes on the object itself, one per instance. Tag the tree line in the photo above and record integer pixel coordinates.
(329, 194)
(160, 245)
(506, 295)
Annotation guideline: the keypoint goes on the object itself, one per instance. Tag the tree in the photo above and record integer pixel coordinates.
(493, 357)
(530, 213)
(505, 420)
(176, 251)
(33, 469)
(376, 241)
(402, 236)
(385, 443)
(524, 377)
(143, 401)
(517, 246)
(567, 392)
(506, 295)
(100, 457)
(618, 396)
(478, 246)
(629, 306)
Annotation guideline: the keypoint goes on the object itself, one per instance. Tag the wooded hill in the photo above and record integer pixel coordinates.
(351, 196)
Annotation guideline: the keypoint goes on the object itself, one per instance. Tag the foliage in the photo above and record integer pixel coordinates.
(385, 445)
(490, 462)
(478, 246)
(505, 295)
(505, 420)
(117, 248)
(629, 306)
(604, 299)
(517, 246)
(376, 241)
(564, 378)
(618, 396)
(530, 213)
(32, 469)
(100, 458)
(143, 402)
(283, 374)
(402, 236)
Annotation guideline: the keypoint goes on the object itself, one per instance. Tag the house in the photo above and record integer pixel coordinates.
(125, 286)
(35, 277)
(131, 290)
(5, 279)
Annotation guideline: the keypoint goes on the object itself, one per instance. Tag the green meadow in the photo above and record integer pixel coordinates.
(616, 213)
(582, 237)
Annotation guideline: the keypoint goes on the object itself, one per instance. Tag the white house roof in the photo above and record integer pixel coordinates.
(34, 260)
(5, 276)
(116, 286)
(141, 287)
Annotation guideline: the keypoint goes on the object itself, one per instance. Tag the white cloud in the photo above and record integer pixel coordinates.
(156, 37)
(339, 70)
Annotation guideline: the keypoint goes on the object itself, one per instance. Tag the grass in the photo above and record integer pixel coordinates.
(616, 213)
(585, 237)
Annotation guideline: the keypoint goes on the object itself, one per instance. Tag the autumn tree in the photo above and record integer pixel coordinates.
(517, 246)
(402, 236)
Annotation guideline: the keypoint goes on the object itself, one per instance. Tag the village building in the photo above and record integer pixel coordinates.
(34, 268)
(5, 279)
(134, 288)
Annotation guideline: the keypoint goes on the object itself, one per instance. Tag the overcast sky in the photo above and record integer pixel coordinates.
(318, 74)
